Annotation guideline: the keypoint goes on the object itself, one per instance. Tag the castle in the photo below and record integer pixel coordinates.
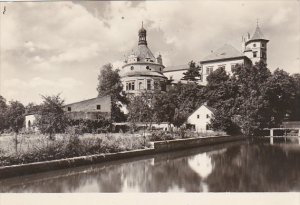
(254, 49)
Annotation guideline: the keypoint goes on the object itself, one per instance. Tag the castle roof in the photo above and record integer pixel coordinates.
(176, 68)
(225, 52)
(144, 73)
(257, 35)
(143, 52)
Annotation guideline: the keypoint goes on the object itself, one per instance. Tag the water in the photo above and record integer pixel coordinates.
(233, 167)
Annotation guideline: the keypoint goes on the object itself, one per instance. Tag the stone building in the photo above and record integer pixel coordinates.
(142, 71)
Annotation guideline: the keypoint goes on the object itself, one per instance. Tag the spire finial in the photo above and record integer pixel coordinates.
(142, 24)
(257, 22)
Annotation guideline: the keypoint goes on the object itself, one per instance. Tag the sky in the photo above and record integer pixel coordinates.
(48, 48)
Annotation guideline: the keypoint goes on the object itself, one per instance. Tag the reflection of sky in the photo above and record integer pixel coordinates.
(201, 164)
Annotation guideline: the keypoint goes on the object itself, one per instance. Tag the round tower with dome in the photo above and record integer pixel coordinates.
(141, 70)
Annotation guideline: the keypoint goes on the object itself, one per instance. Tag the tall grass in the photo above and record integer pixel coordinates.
(40, 148)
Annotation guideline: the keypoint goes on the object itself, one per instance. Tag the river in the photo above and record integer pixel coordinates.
(231, 167)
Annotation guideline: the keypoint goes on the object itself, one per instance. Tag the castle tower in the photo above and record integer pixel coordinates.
(256, 47)
(142, 70)
(142, 36)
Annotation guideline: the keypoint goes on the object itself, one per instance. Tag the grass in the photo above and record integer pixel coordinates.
(36, 147)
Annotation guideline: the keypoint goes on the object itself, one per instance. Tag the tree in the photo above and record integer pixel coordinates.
(295, 108)
(280, 91)
(141, 109)
(51, 118)
(221, 94)
(3, 109)
(110, 84)
(193, 73)
(15, 118)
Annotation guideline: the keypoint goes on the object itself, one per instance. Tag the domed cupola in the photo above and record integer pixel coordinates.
(142, 71)
(142, 36)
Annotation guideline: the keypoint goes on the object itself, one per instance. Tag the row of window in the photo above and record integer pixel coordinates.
(98, 107)
(262, 45)
(262, 54)
(207, 116)
(147, 67)
(130, 85)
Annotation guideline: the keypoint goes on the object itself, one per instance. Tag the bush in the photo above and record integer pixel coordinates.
(161, 135)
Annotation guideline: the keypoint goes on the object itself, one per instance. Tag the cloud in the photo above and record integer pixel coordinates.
(60, 41)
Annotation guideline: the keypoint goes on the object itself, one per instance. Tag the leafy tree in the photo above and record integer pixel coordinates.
(15, 118)
(193, 73)
(110, 84)
(295, 108)
(221, 94)
(51, 118)
(141, 108)
(279, 92)
(3, 109)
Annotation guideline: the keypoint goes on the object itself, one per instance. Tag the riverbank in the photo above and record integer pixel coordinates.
(157, 147)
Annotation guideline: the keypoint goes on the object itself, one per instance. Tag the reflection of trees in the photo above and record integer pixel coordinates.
(238, 167)
(255, 167)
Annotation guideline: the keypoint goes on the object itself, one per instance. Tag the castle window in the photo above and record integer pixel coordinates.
(69, 109)
(262, 45)
(255, 54)
(130, 85)
(198, 116)
(209, 70)
(159, 69)
(148, 84)
(254, 45)
(147, 67)
(98, 107)
(131, 68)
(207, 116)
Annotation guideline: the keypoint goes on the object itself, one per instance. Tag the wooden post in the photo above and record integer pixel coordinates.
(299, 136)
(271, 136)
(271, 140)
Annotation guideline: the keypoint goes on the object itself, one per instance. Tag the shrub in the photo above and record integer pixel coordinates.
(161, 135)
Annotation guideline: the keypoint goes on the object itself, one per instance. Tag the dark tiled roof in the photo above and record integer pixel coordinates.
(145, 73)
(257, 34)
(143, 52)
(226, 51)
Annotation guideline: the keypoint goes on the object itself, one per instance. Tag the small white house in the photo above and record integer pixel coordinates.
(201, 118)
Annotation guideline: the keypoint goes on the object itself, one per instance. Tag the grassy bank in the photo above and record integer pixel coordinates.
(37, 148)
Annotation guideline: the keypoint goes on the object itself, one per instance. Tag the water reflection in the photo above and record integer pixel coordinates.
(231, 167)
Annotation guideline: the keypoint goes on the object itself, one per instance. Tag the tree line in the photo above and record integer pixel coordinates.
(246, 101)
